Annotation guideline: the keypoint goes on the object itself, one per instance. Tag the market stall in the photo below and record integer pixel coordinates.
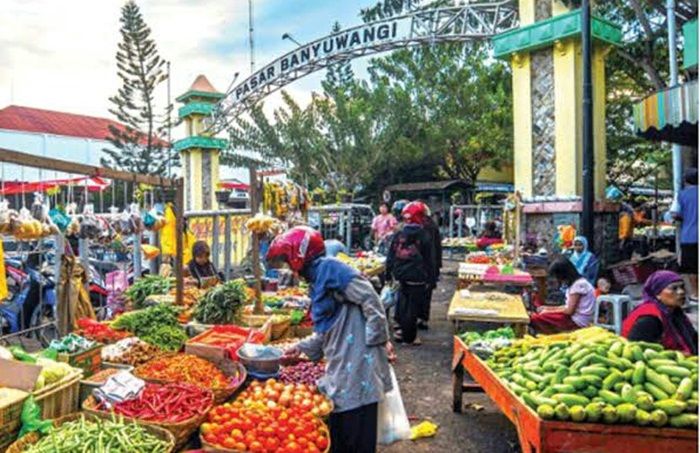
(487, 306)
(600, 412)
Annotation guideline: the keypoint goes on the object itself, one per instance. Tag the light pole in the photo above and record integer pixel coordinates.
(587, 219)
(291, 38)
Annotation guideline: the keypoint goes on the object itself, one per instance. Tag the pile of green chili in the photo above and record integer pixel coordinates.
(113, 436)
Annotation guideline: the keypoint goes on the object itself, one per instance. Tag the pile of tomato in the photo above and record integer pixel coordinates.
(264, 429)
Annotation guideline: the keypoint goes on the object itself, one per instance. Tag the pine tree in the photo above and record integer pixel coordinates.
(140, 145)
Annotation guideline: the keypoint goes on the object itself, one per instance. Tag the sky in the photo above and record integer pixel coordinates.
(60, 55)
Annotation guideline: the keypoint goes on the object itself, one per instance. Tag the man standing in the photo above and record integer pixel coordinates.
(383, 224)
(688, 216)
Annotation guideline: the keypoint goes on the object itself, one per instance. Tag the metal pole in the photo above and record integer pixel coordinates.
(170, 148)
(677, 157)
(250, 36)
(180, 230)
(588, 158)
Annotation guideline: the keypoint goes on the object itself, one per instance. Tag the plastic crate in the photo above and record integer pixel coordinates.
(89, 360)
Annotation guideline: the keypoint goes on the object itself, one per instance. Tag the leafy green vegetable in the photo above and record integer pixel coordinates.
(156, 325)
(222, 304)
(148, 285)
(167, 338)
(145, 321)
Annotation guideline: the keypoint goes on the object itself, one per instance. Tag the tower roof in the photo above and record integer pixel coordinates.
(201, 90)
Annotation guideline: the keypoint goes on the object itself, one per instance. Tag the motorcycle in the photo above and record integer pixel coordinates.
(32, 302)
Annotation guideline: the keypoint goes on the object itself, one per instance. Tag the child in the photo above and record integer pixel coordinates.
(201, 268)
(602, 287)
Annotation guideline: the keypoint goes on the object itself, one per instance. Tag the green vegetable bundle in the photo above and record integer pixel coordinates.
(503, 332)
(167, 338)
(157, 325)
(84, 434)
(609, 381)
(222, 304)
(148, 285)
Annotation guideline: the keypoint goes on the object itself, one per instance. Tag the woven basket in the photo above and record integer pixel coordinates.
(255, 320)
(181, 431)
(10, 421)
(33, 438)
(60, 398)
(206, 446)
(229, 369)
(280, 329)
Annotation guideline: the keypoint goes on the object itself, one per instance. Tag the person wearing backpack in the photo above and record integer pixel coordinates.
(411, 262)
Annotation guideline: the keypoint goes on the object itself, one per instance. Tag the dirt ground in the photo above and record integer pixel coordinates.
(425, 381)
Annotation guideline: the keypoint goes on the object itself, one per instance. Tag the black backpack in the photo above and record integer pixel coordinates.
(408, 260)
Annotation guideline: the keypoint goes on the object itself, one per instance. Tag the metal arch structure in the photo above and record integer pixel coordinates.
(471, 21)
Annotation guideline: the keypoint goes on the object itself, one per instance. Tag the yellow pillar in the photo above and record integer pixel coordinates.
(537, 17)
(522, 124)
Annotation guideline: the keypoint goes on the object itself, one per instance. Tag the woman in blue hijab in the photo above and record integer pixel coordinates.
(584, 261)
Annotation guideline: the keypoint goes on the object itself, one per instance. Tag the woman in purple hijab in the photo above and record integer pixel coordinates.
(660, 318)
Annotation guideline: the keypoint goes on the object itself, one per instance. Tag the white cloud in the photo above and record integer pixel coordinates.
(60, 55)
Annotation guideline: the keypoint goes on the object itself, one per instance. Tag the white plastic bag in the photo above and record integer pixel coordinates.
(392, 421)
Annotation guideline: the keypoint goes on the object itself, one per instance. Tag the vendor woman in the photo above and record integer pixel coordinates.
(577, 311)
(584, 260)
(660, 318)
(201, 268)
(350, 332)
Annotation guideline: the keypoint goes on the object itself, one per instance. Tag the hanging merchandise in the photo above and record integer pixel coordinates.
(153, 221)
(90, 226)
(73, 298)
(9, 218)
(168, 243)
(282, 200)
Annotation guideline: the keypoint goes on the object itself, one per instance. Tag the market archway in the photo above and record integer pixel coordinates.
(459, 23)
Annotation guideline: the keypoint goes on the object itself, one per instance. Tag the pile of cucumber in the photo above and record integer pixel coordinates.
(611, 381)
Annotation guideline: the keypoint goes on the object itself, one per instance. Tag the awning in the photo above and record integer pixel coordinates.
(231, 185)
(94, 184)
(670, 115)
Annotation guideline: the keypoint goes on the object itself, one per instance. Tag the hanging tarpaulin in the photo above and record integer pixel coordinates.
(93, 184)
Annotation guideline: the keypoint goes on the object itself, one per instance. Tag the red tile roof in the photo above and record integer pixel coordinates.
(28, 119)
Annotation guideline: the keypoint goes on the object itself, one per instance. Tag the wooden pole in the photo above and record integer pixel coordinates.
(47, 163)
(254, 204)
(179, 231)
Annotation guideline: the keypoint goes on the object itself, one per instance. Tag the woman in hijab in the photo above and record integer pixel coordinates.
(201, 268)
(350, 332)
(584, 261)
(660, 318)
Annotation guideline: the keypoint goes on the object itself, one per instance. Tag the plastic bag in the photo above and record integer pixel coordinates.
(31, 418)
(389, 296)
(60, 219)
(392, 422)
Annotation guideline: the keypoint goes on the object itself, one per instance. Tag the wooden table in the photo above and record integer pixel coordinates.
(546, 436)
(508, 310)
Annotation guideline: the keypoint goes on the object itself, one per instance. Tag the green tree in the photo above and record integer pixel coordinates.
(634, 70)
(140, 145)
(456, 102)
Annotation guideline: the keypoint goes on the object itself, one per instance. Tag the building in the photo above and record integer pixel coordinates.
(59, 135)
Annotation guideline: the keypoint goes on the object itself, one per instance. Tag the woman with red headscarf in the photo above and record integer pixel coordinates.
(350, 332)
(660, 318)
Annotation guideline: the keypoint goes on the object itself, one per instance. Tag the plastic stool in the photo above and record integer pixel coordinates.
(621, 307)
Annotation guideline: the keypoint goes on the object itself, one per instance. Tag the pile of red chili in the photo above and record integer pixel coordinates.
(96, 331)
(185, 368)
(168, 403)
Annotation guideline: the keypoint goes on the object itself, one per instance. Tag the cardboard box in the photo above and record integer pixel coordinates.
(18, 375)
